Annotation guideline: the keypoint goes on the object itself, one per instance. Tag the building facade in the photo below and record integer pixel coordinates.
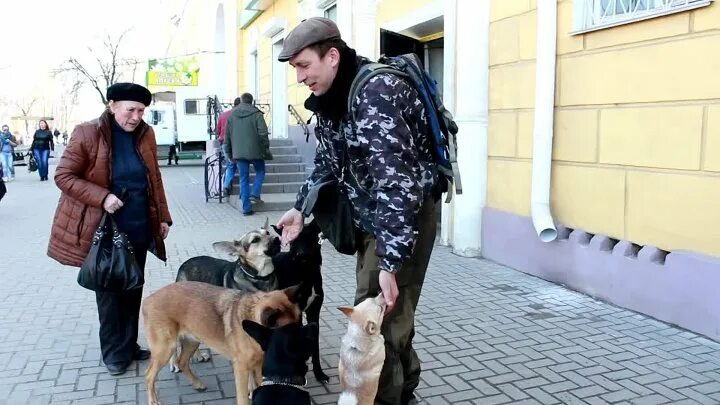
(589, 137)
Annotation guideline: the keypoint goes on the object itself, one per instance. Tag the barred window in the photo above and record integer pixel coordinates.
(591, 15)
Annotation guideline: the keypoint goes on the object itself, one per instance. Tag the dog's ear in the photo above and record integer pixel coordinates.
(269, 317)
(277, 230)
(258, 332)
(371, 327)
(267, 224)
(294, 293)
(225, 247)
(348, 311)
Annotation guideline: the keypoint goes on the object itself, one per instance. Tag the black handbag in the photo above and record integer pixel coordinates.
(332, 211)
(32, 164)
(110, 266)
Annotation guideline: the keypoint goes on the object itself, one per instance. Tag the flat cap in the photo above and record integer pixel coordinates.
(129, 92)
(308, 32)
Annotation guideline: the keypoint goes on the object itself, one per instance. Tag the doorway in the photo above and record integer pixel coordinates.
(279, 124)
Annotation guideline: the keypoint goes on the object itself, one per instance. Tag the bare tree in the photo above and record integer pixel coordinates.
(71, 84)
(107, 68)
(25, 108)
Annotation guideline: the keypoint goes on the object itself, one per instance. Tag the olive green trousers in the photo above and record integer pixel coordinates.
(400, 375)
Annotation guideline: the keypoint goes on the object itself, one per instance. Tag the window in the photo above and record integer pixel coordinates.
(331, 13)
(157, 117)
(591, 15)
(194, 106)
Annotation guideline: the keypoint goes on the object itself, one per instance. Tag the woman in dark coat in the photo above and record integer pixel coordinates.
(41, 146)
(114, 153)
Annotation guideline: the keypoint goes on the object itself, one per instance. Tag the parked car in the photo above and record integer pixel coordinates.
(21, 156)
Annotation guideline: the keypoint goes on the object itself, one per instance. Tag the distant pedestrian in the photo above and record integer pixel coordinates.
(3, 189)
(56, 133)
(246, 142)
(230, 165)
(7, 149)
(41, 146)
(172, 154)
(65, 137)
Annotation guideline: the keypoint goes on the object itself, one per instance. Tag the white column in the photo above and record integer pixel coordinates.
(345, 20)
(450, 41)
(365, 28)
(231, 48)
(471, 69)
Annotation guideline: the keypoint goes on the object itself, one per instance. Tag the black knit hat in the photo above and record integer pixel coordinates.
(129, 92)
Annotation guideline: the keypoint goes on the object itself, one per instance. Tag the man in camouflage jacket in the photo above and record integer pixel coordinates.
(381, 154)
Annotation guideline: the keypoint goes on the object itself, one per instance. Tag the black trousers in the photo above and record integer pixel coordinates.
(119, 314)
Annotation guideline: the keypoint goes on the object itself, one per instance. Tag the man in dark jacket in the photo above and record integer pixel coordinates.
(380, 153)
(246, 141)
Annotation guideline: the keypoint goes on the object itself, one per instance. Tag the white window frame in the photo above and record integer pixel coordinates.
(328, 7)
(200, 106)
(589, 15)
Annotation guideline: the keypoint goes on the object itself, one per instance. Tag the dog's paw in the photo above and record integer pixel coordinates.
(321, 377)
(203, 356)
(199, 386)
(175, 368)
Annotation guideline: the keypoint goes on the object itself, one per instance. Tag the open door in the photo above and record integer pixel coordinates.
(394, 44)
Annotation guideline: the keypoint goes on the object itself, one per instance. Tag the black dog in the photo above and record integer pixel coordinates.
(285, 363)
(301, 265)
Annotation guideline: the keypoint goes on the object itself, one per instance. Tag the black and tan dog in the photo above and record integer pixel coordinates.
(252, 271)
(301, 265)
(187, 312)
(287, 349)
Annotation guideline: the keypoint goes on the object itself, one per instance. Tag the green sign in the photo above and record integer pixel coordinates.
(173, 72)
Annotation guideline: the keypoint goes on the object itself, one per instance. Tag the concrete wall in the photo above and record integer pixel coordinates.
(637, 126)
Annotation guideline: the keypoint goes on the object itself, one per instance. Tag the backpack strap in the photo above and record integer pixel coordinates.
(364, 74)
(452, 151)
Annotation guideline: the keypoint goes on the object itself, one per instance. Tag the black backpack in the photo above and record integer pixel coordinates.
(444, 129)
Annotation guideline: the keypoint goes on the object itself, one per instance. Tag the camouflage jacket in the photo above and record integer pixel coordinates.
(389, 169)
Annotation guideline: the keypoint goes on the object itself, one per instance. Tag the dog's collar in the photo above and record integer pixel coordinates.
(298, 382)
(253, 275)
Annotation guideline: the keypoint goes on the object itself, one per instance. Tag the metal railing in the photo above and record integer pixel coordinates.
(214, 174)
(294, 112)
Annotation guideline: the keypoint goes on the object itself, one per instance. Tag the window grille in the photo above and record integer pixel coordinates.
(591, 15)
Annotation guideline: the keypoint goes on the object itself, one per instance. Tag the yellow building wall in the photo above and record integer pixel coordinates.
(288, 10)
(388, 10)
(636, 153)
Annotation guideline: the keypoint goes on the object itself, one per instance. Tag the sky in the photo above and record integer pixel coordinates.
(38, 35)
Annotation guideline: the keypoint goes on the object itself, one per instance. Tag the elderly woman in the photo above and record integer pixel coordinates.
(114, 153)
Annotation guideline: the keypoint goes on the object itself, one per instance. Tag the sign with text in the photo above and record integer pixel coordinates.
(173, 72)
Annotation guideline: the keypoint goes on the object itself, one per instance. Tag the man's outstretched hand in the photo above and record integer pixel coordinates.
(291, 224)
(389, 288)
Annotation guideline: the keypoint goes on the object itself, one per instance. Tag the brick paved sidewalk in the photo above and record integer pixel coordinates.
(486, 334)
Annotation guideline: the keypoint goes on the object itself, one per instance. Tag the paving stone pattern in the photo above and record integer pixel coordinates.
(486, 334)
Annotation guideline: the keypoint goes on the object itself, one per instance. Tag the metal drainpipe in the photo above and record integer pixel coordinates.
(544, 114)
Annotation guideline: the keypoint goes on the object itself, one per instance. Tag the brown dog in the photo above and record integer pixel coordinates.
(188, 312)
(362, 352)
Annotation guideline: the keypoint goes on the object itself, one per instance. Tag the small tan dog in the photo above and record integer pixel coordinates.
(188, 312)
(362, 352)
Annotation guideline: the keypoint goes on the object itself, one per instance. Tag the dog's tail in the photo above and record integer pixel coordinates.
(347, 398)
